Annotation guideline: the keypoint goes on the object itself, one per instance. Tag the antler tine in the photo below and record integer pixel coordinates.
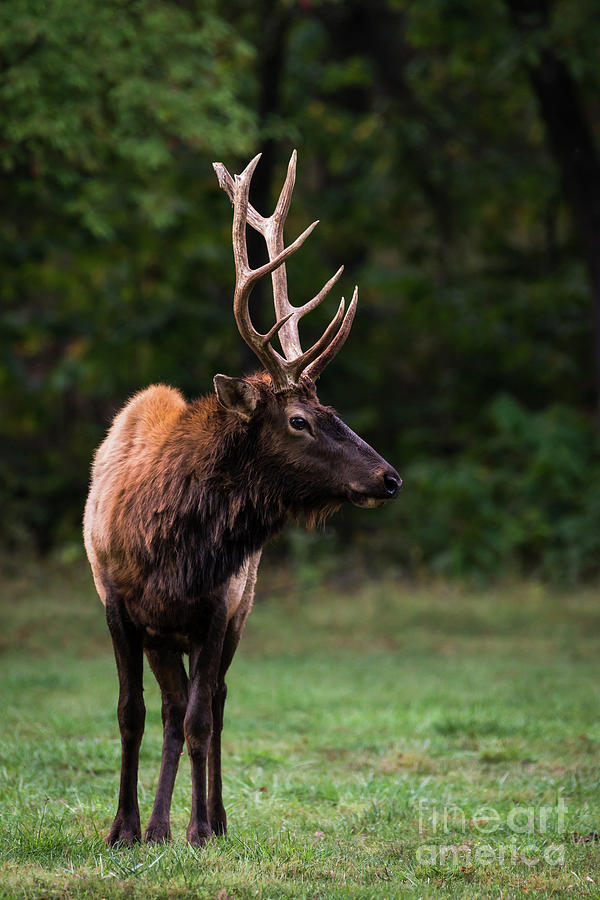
(314, 369)
(285, 197)
(308, 356)
(240, 213)
(276, 261)
(228, 184)
(300, 311)
(275, 329)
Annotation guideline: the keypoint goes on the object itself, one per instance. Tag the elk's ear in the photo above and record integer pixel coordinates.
(236, 395)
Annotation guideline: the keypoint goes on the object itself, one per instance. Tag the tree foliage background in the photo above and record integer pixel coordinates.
(450, 174)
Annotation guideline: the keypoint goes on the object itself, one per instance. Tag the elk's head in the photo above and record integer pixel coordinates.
(317, 459)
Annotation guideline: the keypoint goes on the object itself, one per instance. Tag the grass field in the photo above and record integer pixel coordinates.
(388, 741)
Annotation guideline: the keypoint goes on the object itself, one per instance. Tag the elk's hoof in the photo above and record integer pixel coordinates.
(218, 823)
(198, 835)
(157, 832)
(124, 832)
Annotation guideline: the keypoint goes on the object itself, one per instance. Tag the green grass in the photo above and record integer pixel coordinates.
(389, 741)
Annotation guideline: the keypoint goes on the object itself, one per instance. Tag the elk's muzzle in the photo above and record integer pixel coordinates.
(384, 486)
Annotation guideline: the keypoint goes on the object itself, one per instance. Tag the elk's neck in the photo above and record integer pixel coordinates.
(213, 507)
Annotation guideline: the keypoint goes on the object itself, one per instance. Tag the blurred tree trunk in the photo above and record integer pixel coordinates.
(274, 21)
(572, 145)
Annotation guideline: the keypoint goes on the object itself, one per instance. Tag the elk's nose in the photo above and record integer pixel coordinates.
(392, 484)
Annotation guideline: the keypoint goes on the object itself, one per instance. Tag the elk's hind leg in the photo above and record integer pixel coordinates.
(131, 712)
(170, 673)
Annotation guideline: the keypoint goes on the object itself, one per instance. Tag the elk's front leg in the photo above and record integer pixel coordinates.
(131, 712)
(217, 815)
(240, 595)
(205, 659)
(168, 668)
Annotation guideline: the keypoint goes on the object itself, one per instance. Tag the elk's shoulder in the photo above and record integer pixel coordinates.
(153, 410)
(125, 464)
(147, 419)
(137, 433)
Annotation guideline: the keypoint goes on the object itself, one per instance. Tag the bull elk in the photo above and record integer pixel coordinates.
(184, 496)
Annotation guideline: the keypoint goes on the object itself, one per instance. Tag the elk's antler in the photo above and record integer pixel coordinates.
(285, 371)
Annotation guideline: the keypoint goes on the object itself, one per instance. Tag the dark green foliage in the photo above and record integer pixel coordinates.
(525, 495)
(422, 152)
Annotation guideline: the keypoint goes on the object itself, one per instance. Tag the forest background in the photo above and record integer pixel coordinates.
(448, 148)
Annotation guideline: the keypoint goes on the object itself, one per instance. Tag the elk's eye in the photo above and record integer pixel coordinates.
(298, 423)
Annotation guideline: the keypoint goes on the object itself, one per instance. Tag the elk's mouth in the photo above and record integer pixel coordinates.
(365, 501)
